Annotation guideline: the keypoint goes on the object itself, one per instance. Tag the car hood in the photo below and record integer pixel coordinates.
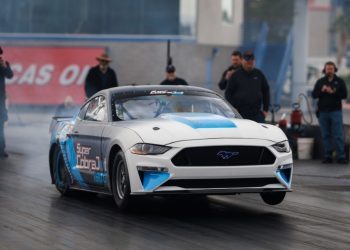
(174, 127)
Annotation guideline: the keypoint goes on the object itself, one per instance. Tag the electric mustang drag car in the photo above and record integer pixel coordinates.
(158, 140)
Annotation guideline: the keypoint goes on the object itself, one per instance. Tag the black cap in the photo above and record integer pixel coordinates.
(1, 51)
(170, 69)
(248, 55)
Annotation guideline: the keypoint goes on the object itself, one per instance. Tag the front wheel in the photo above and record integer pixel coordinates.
(273, 198)
(60, 173)
(121, 182)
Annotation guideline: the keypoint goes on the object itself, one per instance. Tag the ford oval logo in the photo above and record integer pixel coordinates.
(225, 155)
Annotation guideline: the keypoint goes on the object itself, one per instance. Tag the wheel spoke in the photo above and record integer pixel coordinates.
(121, 181)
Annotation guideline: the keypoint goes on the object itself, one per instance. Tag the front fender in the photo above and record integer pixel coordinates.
(120, 137)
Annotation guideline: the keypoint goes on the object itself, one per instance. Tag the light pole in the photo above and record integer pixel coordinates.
(300, 48)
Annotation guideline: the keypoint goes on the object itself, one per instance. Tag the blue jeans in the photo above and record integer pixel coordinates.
(2, 138)
(331, 124)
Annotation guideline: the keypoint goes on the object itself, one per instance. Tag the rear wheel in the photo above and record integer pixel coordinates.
(273, 198)
(121, 182)
(60, 173)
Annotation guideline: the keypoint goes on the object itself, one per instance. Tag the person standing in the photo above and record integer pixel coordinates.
(171, 78)
(67, 108)
(330, 90)
(100, 77)
(248, 90)
(236, 60)
(5, 72)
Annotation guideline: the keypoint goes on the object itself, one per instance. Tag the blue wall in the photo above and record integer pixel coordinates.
(90, 17)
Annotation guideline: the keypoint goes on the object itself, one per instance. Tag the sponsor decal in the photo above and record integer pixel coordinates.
(46, 75)
(166, 92)
(100, 178)
(83, 160)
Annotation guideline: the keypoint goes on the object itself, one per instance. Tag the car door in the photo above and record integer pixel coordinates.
(87, 134)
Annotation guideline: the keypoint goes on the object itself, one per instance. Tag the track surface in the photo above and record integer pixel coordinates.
(33, 215)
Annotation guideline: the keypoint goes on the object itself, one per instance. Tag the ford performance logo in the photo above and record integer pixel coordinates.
(225, 155)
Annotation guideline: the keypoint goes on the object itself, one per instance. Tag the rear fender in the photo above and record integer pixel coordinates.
(59, 129)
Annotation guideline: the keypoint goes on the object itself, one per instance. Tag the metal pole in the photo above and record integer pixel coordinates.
(169, 60)
(300, 48)
(210, 62)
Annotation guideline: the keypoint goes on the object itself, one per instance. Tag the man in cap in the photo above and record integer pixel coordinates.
(5, 72)
(171, 78)
(100, 77)
(248, 90)
(236, 63)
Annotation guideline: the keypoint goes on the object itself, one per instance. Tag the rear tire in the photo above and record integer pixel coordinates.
(61, 176)
(121, 182)
(273, 198)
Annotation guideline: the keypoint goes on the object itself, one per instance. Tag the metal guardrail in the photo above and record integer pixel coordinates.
(96, 38)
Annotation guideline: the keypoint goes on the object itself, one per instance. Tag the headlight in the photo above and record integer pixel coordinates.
(148, 149)
(282, 147)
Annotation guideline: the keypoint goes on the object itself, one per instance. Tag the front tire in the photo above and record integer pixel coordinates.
(121, 182)
(273, 198)
(60, 173)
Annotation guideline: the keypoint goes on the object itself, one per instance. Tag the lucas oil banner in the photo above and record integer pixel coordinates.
(46, 75)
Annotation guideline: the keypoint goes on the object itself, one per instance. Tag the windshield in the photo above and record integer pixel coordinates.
(151, 106)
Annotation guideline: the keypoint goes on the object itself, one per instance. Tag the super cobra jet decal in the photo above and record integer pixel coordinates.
(83, 160)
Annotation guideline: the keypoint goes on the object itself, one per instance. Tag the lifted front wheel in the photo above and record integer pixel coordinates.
(273, 198)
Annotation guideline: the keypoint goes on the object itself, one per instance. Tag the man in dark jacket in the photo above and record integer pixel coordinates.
(100, 77)
(248, 91)
(330, 90)
(5, 72)
(171, 78)
(236, 60)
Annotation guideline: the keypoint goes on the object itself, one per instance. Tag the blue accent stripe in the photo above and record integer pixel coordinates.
(282, 176)
(153, 179)
(71, 152)
(199, 120)
(70, 158)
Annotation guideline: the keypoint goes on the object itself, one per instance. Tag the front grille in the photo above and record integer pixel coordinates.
(221, 183)
(224, 156)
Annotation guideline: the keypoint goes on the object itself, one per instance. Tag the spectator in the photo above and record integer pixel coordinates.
(171, 78)
(247, 90)
(100, 77)
(5, 72)
(67, 109)
(330, 90)
(236, 60)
